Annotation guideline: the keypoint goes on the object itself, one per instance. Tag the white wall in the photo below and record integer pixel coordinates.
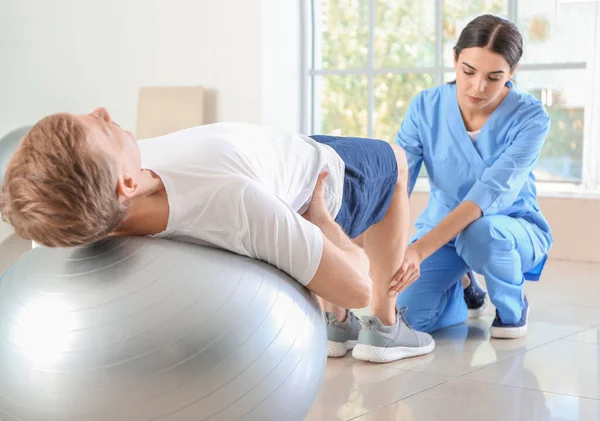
(74, 55)
(281, 64)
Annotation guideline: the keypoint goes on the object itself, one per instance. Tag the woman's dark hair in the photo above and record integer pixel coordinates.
(494, 33)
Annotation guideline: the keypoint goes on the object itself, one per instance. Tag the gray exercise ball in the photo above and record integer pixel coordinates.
(8, 146)
(136, 329)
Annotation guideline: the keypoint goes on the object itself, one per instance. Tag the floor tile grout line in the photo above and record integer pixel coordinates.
(460, 377)
(403, 398)
(503, 359)
(474, 381)
(531, 389)
(477, 369)
(581, 342)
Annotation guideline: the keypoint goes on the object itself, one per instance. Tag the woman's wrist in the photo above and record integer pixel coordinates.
(420, 249)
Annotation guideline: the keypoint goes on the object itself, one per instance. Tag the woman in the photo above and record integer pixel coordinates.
(479, 139)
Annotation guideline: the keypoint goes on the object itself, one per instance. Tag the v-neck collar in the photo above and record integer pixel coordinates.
(460, 130)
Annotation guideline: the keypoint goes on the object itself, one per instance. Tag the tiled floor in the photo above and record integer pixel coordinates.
(552, 374)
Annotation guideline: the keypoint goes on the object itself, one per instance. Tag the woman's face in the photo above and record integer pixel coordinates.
(480, 78)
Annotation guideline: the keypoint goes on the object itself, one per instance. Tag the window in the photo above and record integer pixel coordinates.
(368, 58)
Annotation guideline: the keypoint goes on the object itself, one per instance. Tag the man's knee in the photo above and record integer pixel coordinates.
(402, 164)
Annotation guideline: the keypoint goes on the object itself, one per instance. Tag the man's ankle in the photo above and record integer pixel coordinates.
(340, 315)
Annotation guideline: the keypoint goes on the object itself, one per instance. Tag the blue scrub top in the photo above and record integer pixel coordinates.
(495, 172)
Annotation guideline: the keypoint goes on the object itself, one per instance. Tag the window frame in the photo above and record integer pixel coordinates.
(310, 118)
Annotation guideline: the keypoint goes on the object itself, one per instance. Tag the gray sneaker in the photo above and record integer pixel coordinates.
(341, 336)
(383, 344)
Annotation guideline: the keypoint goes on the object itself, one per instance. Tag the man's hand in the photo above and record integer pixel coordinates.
(409, 271)
(317, 211)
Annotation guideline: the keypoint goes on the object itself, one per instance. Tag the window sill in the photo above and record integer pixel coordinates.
(544, 189)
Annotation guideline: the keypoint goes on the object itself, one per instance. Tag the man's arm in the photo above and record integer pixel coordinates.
(342, 277)
(341, 258)
(313, 249)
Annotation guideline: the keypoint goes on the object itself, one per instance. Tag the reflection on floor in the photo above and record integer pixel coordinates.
(552, 374)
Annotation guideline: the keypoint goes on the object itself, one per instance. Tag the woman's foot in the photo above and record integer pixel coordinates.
(474, 295)
(503, 330)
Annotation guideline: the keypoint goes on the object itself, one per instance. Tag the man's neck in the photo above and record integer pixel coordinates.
(147, 214)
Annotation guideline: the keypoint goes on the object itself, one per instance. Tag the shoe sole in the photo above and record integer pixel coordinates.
(509, 332)
(479, 312)
(339, 349)
(376, 354)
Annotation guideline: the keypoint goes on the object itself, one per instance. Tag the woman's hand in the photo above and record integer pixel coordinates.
(453, 224)
(409, 271)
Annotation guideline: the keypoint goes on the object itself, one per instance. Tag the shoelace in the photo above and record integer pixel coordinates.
(399, 313)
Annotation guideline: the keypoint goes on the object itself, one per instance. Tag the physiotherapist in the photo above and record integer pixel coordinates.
(479, 138)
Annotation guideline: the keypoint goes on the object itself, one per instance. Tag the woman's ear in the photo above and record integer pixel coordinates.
(512, 72)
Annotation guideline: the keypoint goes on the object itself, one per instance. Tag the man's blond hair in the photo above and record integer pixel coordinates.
(59, 191)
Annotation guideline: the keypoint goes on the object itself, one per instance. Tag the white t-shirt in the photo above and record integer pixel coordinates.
(243, 188)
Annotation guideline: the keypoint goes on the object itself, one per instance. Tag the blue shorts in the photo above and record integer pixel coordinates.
(369, 181)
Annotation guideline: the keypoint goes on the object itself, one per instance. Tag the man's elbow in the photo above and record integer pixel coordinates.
(364, 298)
(362, 294)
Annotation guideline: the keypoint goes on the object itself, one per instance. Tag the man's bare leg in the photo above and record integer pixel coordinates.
(383, 338)
(385, 244)
(340, 313)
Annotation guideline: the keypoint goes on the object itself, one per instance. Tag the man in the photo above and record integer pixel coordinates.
(285, 198)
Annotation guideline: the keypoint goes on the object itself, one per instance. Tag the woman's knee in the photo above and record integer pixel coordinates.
(481, 241)
(421, 323)
(422, 310)
(431, 319)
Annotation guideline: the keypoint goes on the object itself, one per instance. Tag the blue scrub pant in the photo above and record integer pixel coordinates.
(501, 248)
